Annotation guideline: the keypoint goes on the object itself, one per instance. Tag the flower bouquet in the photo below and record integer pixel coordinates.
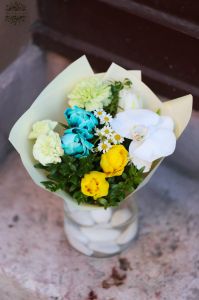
(94, 139)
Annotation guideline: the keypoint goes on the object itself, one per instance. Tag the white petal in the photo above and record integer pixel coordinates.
(134, 145)
(160, 144)
(125, 121)
(166, 122)
(139, 163)
(129, 100)
(122, 125)
(143, 117)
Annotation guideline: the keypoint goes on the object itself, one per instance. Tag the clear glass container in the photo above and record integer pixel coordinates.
(101, 232)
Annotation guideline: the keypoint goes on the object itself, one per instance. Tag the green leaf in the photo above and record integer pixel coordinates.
(39, 166)
(50, 185)
(103, 201)
(158, 111)
(124, 176)
(74, 179)
(72, 188)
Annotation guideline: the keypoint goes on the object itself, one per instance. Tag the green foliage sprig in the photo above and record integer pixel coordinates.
(116, 87)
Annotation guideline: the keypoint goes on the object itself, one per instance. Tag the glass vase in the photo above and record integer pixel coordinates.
(101, 232)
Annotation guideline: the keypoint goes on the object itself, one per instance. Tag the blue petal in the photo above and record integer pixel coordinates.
(78, 117)
(81, 131)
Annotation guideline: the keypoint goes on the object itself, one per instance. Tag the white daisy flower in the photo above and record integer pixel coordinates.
(104, 146)
(117, 138)
(106, 131)
(97, 131)
(105, 119)
(99, 113)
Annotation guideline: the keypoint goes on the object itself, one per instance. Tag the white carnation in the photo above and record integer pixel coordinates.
(47, 148)
(41, 127)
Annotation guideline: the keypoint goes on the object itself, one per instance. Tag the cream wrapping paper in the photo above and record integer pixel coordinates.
(52, 102)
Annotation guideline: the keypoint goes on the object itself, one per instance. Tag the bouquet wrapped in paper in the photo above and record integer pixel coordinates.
(94, 139)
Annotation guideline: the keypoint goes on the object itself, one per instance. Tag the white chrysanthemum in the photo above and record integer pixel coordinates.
(152, 135)
(91, 93)
(104, 146)
(106, 131)
(97, 131)
(129, 100)
(105, 119)
(116, 138)
(42, 127)
(99, 113)
(47, 148)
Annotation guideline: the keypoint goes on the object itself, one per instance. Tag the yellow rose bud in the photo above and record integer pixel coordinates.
(114, 161)
(95, 185)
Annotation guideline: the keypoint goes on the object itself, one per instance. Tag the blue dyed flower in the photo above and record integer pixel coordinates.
(74, 142)
(81, 131)
(78, 117)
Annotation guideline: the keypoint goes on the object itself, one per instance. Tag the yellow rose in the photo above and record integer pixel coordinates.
(114, 161)
(95, 185)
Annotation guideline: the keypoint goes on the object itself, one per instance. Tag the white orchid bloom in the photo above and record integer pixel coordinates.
(128, 100)
(152, 135)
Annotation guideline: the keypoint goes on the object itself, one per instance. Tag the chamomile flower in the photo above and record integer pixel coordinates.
(106, 131)
(105, 119)
(117, 138)
(99, 113)
(104, 146)
(97, 132)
